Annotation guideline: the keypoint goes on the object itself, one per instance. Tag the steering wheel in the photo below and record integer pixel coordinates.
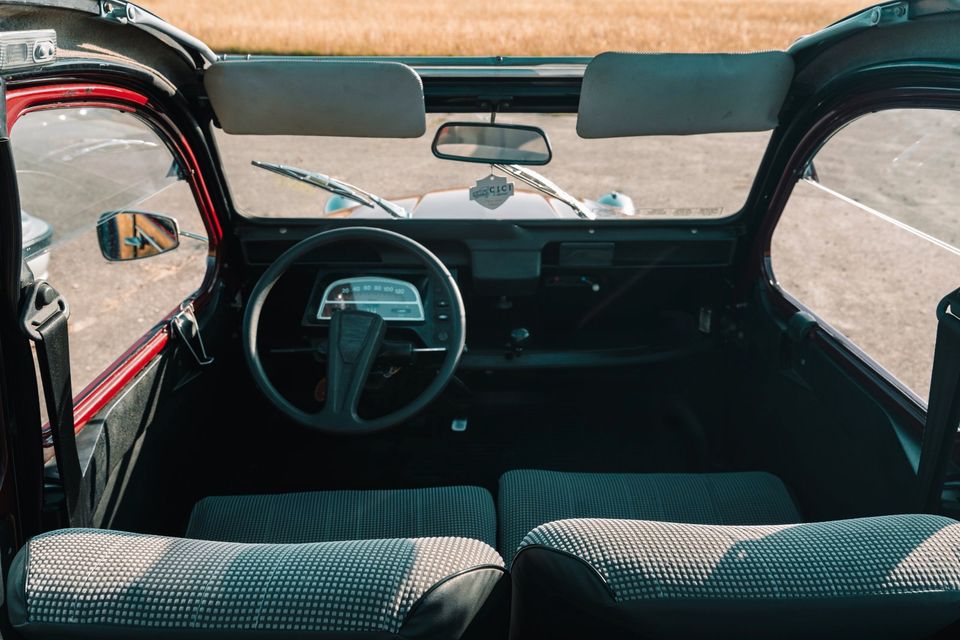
(355, 339)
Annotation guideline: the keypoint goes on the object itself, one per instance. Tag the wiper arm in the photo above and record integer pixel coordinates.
(334, 186)
(541, 183)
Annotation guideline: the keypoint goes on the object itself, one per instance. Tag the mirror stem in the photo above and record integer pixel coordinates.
(193, 236)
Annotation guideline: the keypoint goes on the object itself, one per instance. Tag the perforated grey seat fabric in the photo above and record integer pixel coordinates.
(885, 577)
(466, 512)
(530, 498)
(86, 583)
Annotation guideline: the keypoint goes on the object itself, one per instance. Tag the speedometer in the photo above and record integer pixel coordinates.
(392, 300)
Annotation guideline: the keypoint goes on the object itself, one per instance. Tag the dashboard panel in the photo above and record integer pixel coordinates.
(582, 296)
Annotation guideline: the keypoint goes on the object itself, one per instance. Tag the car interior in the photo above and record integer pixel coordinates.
(411, 428)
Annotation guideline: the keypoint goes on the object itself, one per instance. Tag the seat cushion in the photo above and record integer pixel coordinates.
(884, 577)
(321, 516)
(530, 498)
(86, 583)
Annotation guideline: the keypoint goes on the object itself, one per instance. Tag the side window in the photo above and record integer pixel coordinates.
(868, 241)
(74, 165)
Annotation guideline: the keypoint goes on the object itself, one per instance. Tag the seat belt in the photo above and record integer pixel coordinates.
(44, 318)
(943, 411)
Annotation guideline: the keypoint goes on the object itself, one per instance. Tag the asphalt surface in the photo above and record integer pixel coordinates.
(872, 280)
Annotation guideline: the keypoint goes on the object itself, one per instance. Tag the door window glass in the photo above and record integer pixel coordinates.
(868, 241)
(73, 166)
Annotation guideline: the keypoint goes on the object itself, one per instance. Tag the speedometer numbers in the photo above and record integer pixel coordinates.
(393, 300)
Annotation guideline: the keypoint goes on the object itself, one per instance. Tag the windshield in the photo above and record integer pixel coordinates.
(655, 177)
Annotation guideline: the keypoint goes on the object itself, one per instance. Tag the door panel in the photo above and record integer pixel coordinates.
(853, 429)
(191, 192)
(810, 420)
(868, 241)
(148, 393)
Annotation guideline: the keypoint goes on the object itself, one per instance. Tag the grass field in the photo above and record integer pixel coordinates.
(495, 27)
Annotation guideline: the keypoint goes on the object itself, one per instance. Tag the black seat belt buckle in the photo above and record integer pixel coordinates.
(42, 305)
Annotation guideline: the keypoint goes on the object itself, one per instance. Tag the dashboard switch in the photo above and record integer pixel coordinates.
(519, 336)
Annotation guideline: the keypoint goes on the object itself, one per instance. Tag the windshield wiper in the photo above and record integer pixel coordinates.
(336, 187)
(540, 183)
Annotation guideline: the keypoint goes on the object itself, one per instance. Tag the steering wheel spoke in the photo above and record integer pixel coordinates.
(355, 340)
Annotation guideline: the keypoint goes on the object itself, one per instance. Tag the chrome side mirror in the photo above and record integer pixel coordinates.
(134, 235)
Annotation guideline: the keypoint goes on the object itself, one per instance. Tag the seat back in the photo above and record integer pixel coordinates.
(885, 577)
(530, 498)
(86, 583)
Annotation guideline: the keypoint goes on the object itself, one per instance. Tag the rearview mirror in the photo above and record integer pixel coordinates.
(134, 235)
(492, 143)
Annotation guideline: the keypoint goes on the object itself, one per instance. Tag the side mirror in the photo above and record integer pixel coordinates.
(492, 143)
(133, 235)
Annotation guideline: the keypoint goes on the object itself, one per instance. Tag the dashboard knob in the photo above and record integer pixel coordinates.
(519, 336)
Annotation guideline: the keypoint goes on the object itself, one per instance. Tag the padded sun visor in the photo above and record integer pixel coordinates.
(317, 98)
(641, 94)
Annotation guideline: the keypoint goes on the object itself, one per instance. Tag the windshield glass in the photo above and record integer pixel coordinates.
(701, 176)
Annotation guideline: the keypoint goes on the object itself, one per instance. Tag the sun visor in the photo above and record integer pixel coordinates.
(317, 98)
(646, 94)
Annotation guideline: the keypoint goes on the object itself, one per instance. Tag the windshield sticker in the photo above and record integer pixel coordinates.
(491, 192)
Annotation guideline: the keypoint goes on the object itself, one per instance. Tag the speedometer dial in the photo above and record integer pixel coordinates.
(392, 300)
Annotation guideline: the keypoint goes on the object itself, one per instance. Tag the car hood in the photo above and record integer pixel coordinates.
(35, 230)
(456, 204)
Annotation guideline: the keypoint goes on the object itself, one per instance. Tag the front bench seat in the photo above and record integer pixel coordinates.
(529, 498)
(95, 584)
(894, 577)
(321, 516)
(412, 563)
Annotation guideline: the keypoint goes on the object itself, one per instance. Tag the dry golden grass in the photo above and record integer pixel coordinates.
(499, 27)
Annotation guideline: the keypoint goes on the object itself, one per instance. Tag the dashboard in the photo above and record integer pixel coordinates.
(535, 298)
(532, 302)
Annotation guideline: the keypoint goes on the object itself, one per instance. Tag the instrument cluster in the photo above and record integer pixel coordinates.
(393, 300)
